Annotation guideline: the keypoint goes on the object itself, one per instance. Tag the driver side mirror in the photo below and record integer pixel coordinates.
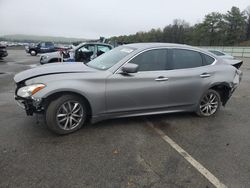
(130, 68)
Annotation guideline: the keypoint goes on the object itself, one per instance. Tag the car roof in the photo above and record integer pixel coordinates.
(96, 43)
(144, 46)
(158, 45)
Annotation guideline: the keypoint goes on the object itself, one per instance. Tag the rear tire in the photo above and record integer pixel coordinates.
(66, 114)
(33, 53)
(209, 104)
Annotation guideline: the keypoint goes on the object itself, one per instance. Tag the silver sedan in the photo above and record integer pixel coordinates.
(130, 80)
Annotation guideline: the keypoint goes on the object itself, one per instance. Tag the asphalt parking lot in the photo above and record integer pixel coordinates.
(124, 152)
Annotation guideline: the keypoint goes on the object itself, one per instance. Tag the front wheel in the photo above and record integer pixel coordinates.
(66, 114)
(209, 103)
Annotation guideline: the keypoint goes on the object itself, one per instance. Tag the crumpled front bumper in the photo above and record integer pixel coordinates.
(30, 105)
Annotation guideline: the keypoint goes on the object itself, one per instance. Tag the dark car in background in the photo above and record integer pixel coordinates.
(83, 52)
(3, 51)
(42, 47)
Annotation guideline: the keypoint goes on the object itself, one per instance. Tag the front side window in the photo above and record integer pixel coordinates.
(101, 49)
(43, 45)
(182, 59)
(48, 44)
(90, 47)
(152, 60)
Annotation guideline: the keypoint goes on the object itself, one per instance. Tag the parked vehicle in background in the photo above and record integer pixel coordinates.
(130, 80)
(42, 47)
(3, 51)
(227, 58)
(221, 54)
(84, 52)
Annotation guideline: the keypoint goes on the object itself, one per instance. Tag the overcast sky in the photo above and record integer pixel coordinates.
(94, 18)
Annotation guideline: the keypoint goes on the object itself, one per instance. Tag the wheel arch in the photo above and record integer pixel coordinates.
(224, 90)
(57, 94)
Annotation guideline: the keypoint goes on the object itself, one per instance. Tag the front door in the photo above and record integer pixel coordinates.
(145, 90)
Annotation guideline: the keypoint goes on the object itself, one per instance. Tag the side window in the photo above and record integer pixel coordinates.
(48, 44)
(152, 60)
(42, 45)
(207, 60)
(182, 59)
(102, 49)
(90, 47)
(84, 53)
(83, 49)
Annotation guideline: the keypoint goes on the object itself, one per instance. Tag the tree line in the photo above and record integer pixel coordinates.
(231, 28)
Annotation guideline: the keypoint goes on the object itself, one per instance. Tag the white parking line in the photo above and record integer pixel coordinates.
(215, 181)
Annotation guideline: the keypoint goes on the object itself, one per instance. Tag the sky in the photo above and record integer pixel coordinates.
(91, 19)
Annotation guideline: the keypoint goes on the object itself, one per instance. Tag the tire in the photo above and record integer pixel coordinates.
(33, 53)
(71, 107)
(209, 104)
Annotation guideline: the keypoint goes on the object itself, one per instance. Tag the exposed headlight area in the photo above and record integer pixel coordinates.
(24, 97)
(28, 91)
(43, 57)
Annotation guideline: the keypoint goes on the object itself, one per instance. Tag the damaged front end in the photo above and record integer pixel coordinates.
(29, 103)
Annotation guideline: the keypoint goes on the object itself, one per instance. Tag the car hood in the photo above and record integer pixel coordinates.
(53, 68)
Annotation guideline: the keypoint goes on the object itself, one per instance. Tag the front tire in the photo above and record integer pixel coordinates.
(209, 104)
(66, 114)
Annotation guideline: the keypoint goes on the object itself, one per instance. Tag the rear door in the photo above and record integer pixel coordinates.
(188, 76)
(145, 90)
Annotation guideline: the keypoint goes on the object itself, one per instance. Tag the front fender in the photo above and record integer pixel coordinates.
(94, 95)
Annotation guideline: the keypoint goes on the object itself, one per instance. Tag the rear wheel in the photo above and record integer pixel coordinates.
(66, 114)
(33, 53)
(209, 104)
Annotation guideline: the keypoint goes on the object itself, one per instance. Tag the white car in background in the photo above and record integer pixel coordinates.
(221, 54)
(227, 58)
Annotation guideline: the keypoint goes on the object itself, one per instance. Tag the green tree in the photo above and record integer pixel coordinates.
(214, 27)
(248, 23)
(236, 26)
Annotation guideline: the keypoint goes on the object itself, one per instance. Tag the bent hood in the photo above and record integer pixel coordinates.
(53, 68)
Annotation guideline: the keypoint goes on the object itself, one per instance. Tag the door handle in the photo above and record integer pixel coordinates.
(161, 78)
(205, 75)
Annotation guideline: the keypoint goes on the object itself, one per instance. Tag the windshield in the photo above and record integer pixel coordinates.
(107, 60)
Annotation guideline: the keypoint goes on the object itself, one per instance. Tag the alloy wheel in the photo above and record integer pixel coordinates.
(209, 104)
(69, 115)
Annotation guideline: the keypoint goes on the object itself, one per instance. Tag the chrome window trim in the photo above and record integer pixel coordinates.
(167, 48)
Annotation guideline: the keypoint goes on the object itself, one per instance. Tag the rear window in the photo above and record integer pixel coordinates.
(182, 59)
(207, 60)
